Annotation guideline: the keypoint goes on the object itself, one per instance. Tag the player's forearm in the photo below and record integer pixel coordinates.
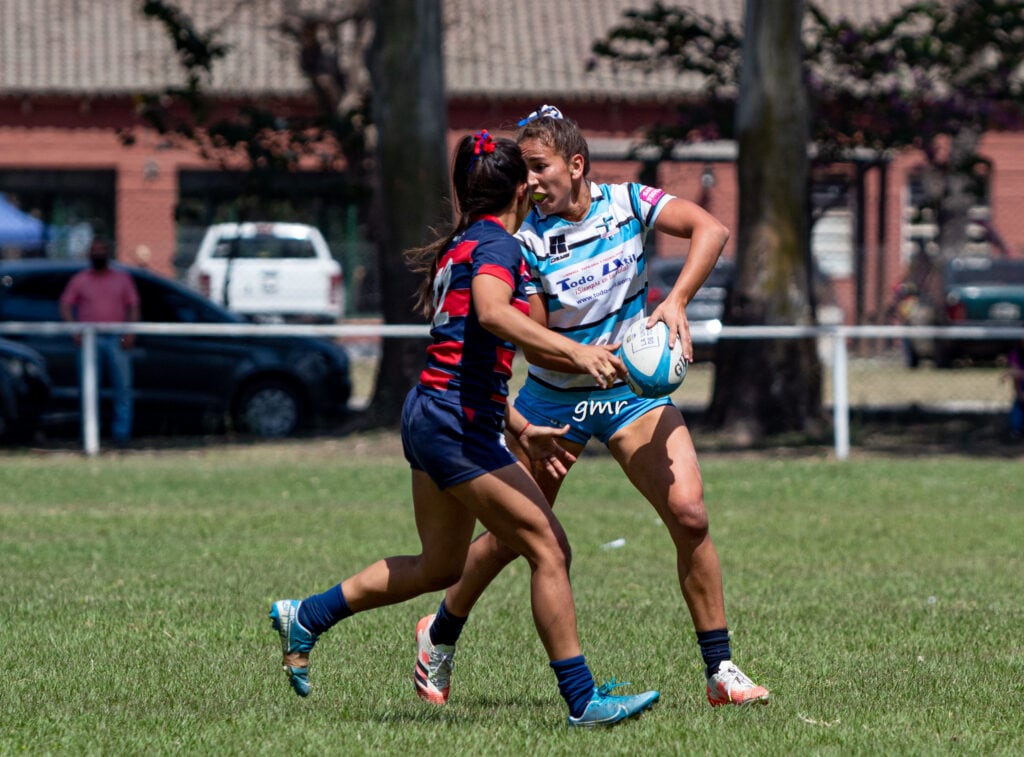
(550, 362)
(527, 334)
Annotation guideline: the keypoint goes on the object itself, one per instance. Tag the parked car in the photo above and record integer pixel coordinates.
(268, 386)
(271, 272)
(25, 390)
(707, 307)
(977, 291)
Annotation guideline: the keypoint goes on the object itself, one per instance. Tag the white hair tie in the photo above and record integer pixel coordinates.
(544, 111)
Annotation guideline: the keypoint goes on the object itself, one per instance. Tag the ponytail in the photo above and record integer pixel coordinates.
(486, 172)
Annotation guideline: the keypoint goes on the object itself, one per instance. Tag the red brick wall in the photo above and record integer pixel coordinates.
(62, 134)
(146, 172)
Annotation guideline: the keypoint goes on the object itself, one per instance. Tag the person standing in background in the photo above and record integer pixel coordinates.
(105, 294)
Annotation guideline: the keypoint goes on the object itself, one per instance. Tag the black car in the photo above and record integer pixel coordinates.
(267, 386)
(707, 307)
(24, 391)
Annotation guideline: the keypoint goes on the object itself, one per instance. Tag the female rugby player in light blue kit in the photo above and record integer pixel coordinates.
(583, 243)
(452, 435)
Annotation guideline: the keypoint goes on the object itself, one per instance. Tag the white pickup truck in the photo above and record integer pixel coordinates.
(270, 272)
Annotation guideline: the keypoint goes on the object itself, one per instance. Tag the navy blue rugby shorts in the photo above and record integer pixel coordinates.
(439, 439)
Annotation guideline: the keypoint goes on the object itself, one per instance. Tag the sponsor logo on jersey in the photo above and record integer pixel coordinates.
(651, 195)
(608, 226)
(613, 265)
(557, 248)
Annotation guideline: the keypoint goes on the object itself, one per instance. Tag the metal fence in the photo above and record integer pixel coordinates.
(868, 375)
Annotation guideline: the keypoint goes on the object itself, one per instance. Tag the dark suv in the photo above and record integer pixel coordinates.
(267, 386)
(707, 306)
(977, 291)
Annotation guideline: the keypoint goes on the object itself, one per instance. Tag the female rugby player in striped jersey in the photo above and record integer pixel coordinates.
(474, 294)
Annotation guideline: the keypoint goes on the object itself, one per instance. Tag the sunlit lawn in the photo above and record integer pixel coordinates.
(878, 599)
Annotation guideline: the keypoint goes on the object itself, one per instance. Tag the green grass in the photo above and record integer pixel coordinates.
(879, 600)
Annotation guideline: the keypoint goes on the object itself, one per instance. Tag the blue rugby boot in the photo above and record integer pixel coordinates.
(296, 643)
(605, 708)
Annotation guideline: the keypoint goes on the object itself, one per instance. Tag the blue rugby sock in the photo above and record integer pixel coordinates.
(318, 612)
(446, 627)
(714, 647)
(575, 682)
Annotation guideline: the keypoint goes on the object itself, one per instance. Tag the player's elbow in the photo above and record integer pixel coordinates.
(720, 233)
(494, 319)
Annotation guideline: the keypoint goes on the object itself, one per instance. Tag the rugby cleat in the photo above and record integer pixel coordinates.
(296, 643)
(605, 708)
(731, 686)
(434, 662)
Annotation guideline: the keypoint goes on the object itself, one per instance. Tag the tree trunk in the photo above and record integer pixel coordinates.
(409, 110)
(770, 386)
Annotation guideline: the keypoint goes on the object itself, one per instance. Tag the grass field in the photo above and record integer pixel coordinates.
(879, 600)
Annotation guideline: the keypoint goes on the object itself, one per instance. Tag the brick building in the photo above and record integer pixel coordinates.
(71, 74)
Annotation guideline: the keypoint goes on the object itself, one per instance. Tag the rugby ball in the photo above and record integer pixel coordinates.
(654, 370)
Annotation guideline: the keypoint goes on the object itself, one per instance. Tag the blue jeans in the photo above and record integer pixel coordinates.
(115, 364)
(1017, 418)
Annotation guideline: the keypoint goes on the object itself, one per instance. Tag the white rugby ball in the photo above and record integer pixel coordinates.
(654, 369)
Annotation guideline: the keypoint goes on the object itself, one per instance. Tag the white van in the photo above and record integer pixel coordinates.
(270, 272)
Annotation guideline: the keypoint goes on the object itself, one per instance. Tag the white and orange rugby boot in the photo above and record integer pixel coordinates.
(730, 685)
(434, 663)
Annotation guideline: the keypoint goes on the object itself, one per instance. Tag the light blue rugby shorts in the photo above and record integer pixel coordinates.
(589, 412)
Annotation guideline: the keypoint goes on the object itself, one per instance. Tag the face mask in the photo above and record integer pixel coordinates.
(98, 262)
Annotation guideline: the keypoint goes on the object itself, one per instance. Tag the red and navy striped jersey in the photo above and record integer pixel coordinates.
(466, 361)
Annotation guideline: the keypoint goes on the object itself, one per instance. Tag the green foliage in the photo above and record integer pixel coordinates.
(689, 42)
(272, 141)
(877, 598)
(931, 69)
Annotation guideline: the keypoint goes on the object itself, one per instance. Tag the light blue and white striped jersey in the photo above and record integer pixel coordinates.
(592, 273)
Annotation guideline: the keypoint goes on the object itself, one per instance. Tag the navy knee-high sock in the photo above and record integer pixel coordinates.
(575, 682)
(446, 627)
(714, 647)
(318, 612)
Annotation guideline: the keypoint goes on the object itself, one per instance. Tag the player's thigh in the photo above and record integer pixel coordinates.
(549, 483)
(510, 505)
(657, 454)
(445, 526)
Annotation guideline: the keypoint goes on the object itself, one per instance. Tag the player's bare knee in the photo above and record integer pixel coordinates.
(440, 580)
(563, 543)
(689, 518)
(439, 574)
(552, 550)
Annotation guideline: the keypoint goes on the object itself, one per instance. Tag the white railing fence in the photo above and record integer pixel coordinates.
(839, 337)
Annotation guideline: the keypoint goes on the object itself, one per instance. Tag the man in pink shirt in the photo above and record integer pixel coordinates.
(101, 294)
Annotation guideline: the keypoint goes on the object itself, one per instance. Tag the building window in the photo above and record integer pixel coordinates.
(832, 228)
(832, 243)
(76, 206)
